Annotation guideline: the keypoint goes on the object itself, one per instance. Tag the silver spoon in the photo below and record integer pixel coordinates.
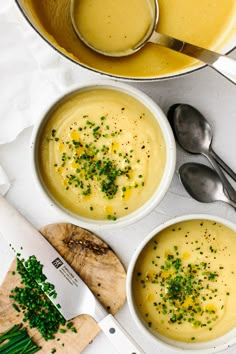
(203, 183)
(194, 135)
(224, 65)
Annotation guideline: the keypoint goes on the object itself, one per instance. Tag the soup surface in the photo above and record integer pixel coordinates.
(118, 27)
(208, 23)
(184, 282)
(101, 153)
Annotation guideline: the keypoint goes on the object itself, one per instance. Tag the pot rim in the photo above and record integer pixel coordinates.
(113, 76)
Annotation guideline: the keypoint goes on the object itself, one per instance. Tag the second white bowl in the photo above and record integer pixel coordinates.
(142, 268)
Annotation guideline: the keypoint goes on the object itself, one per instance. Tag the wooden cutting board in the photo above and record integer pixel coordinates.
(96, 264)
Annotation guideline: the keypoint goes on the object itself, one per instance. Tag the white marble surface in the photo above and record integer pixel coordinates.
(215, 97)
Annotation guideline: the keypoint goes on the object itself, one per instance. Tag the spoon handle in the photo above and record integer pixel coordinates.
(227, 169)
(231, 192)
(230, 202)
(225, 199)
(224, 65)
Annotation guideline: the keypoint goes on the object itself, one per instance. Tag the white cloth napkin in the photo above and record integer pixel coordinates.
(4, 182)
(32, 74)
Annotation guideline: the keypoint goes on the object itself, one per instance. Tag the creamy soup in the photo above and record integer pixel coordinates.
(208, 23)
(184, 282)
(117, 28)
(101, 153)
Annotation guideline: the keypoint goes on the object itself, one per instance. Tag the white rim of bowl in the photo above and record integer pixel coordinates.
(170, 157)
(214, 346)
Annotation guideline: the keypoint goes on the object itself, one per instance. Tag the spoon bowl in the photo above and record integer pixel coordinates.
(203, 183)
(194, 134)
(221, 63)
(153, 8)
(191, 129)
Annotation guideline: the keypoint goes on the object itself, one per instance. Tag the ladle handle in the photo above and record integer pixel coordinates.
(227, 169)
(231, 192)
(224, 65)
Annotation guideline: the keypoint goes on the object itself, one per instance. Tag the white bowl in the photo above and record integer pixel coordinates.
(208, 347)
(170, 156)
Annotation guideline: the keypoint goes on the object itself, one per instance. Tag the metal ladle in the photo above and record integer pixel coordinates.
(224, 65)
(194, 135)
(203, 183)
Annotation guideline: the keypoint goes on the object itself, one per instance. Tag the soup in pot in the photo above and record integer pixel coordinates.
(207, 23)
(118, 27)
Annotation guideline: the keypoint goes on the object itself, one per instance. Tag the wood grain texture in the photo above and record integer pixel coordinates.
(96, 264)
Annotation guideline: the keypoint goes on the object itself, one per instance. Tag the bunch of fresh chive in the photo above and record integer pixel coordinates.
(17, 341)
